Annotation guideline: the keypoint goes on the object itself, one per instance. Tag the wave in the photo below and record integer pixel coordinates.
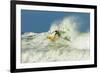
(71, 45)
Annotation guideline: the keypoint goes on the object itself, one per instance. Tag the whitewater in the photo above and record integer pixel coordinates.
(71, 46)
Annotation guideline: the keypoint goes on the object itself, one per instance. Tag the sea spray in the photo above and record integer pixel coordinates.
(71, 45)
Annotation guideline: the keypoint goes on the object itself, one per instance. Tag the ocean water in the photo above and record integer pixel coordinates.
(72, 45)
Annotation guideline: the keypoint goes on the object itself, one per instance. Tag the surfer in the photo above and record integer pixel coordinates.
(54, 35)
(57, 33)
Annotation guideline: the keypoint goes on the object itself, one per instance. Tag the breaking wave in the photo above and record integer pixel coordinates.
(70, 46)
